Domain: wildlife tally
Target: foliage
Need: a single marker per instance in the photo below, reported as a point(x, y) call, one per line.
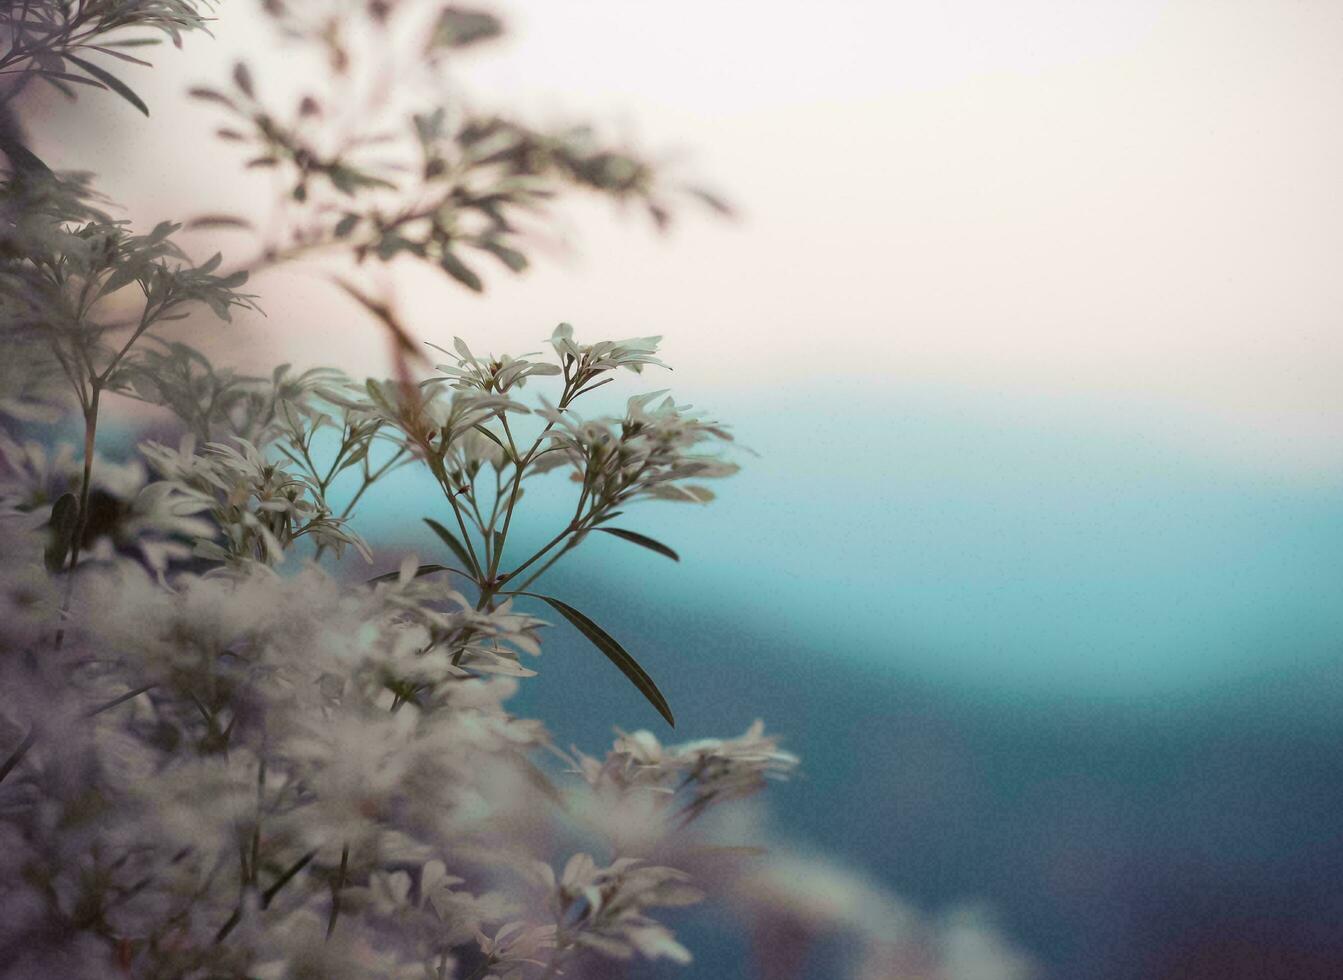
point(220, 756)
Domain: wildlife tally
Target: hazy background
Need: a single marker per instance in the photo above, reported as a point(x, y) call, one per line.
point(1031, 315)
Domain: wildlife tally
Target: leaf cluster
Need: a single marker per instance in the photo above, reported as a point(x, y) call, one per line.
point(58, 41)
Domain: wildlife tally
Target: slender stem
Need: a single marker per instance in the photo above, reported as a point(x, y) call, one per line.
point(574, 526)
point(255, 848)
point(336, 890)
point(147, 319)
point(498, 498)
point(269, 894)
point(512, 446)
point(17, 755)
point(119, 699)
point(369, 480)
point(436, 466)
point(482, 969)
point(520, 466)
point(325, 481)
point(82, 517)
point(544, 568)
point(90, 440)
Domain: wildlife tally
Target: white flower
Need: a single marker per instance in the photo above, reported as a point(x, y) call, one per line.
point(693, 774)
point(582, 363)
point(518, 942)
point(602, 908)
point(648, 453)
point(491, 374)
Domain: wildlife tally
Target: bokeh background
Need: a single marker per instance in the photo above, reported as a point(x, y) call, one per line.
point(1031, 314)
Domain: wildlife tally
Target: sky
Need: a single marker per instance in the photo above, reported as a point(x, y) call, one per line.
point(1030, 308)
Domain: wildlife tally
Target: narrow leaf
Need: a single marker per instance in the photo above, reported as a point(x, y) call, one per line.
point(111, 81)
point(23, 159)
point(119, 54)
point(210, 95)
point(714, 201)
point(419, 573)
point(218, 221)
point(458, 269)
point(243, 79)
point(614, 652)
point(494, 439)
point(642, 540)
point(511, 257)
point(452, 541)
point(65, 76)
point(64, 517)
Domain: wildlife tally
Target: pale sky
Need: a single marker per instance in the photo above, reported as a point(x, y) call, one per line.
point(1032, 310)
point(1137, 203)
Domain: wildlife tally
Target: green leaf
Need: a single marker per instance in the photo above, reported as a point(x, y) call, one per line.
point(452, 541)
point(511, 257)
point(64, 76)
point(614, 652)
point(713, 200)
point(456, 268)
point(642, 540)
point(218, 221)
point(419, 572)
point(64, 518)
point(122, 276)
point(243, 79)
point(494, 439)
point(61, 87)
point(119, 54)
point(210, 95)
point(111, 81)
point(22, 158)
point(458, 28)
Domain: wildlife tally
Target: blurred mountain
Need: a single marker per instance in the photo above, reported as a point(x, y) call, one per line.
point(1189, 836)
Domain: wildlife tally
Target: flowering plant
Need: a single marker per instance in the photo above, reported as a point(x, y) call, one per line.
point(223, 753)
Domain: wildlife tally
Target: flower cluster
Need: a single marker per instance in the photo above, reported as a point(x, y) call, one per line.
point(648, 453)
point(260, 507)
point(603, 908)
point(491, 374)
point(266, 755)
point(272, 771)
point(585, 362)
point(223, 753)
point(691, 776)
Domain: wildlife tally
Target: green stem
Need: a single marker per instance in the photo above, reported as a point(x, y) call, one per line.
point(520, 466)
point(336, 890)
point(442, 477)
point(82, 517)
point(90, 440)
point(17, 755)
point(544, 568)
point(482, 969)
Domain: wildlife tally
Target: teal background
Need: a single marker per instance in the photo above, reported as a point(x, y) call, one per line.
point(1031, 651)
